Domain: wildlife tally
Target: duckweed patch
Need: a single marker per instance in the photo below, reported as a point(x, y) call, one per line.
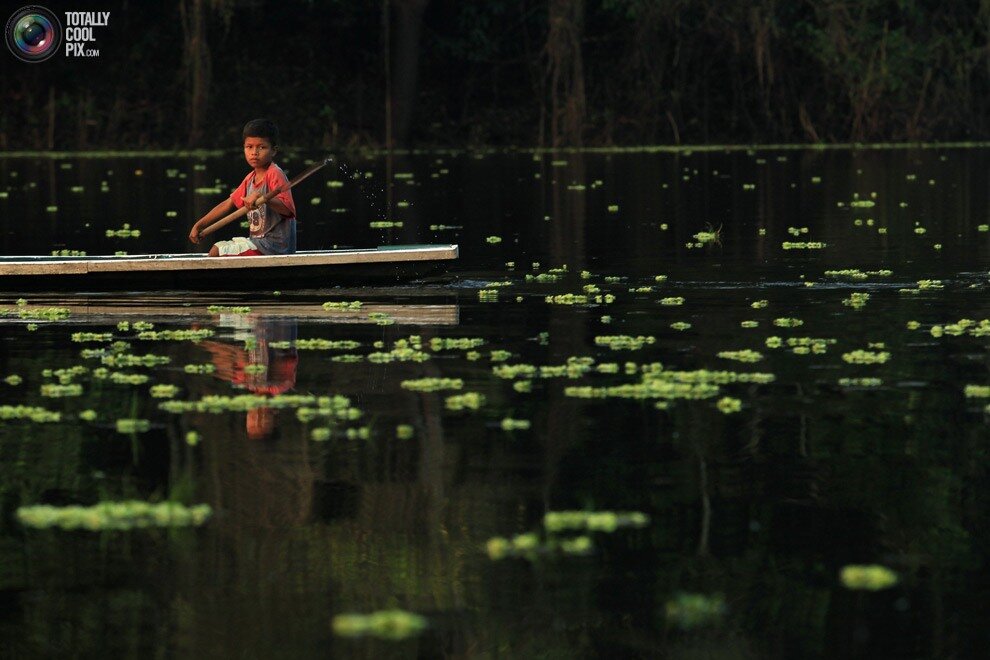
point(556, 522)
point(191, 334)
point(386, 624)
point(432, 384)
point(866, 357)
point(745, 355)
point(132, 425)
point(466, 401)
point(30, 413)
point(556, 538)
point(342, 306)
point(118, 516)
point(624, 342)
point(869, 577)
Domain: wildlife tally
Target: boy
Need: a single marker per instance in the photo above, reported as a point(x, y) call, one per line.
point(272, 226)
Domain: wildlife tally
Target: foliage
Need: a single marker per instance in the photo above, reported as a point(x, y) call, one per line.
point(671, 71)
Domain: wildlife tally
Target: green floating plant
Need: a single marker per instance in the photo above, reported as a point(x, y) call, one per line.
point(386, 624)
point(455, 343)
point(466, 401)
point(320, 434)
point(37, 313)
point(207, 368)
point(860, 382)
point(346, 306)
point(133, 425)
point(192, 334)
point(509, 424)
point(31, 413)
point(124, 232)
point(969, 327)
point(125, 360)
point(869, 577)
point(163, 391)
point(857, 274)
point(319, 344)
point(728, 405)
point(556, 522)
point(432, 384)
point(57, 390)
point(856, 300)
point(124, 515)
point(403, 350)
point(363, 433)
point(531, 546)
point(801, 245)
point(216, 404)
point(744, 355)
point(624, 342)
point(977, 391)
point(228, 309)
point(866, 357)
point(552, 275)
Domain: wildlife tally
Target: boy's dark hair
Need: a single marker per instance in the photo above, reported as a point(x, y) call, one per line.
point(261, 128)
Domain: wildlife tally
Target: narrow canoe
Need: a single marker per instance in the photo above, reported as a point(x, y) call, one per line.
point(314, 269)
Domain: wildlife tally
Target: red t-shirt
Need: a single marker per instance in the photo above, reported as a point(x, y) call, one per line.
point(274, 177)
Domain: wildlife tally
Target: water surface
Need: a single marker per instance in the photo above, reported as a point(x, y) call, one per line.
point(828, 462)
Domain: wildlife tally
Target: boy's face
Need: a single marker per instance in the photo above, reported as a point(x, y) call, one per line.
point(258, 151)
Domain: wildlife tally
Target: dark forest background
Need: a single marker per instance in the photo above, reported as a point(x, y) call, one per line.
point(188, 73)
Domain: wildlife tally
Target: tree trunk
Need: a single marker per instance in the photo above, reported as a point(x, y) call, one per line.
point(565, 72)
point(196, 66)
point(405, 60)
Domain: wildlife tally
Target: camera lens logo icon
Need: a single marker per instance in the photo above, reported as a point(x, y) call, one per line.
point(33, 34)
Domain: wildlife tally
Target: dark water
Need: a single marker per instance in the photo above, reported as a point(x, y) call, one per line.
point(757, 510)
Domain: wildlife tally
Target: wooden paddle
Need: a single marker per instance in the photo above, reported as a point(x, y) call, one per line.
point(227, 219)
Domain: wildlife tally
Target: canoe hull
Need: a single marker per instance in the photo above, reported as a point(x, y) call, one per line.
point(304, 270)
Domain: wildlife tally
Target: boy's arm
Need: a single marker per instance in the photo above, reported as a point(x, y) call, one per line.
point(217, 212)
point(280, 208)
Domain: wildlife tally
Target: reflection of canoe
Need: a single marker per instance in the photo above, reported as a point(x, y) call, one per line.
point(316, 269)
point(165, 309)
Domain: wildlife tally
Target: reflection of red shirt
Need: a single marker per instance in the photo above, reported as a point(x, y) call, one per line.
point(278, 377)
point(274, 177)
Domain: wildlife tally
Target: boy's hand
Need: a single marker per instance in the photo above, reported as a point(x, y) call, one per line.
point(194, 235)
point(251, 201)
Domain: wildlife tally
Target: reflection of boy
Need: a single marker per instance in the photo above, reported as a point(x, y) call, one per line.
point(271, 226)
point(260, 370)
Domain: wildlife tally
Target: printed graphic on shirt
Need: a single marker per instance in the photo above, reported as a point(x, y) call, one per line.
point(256, 220)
